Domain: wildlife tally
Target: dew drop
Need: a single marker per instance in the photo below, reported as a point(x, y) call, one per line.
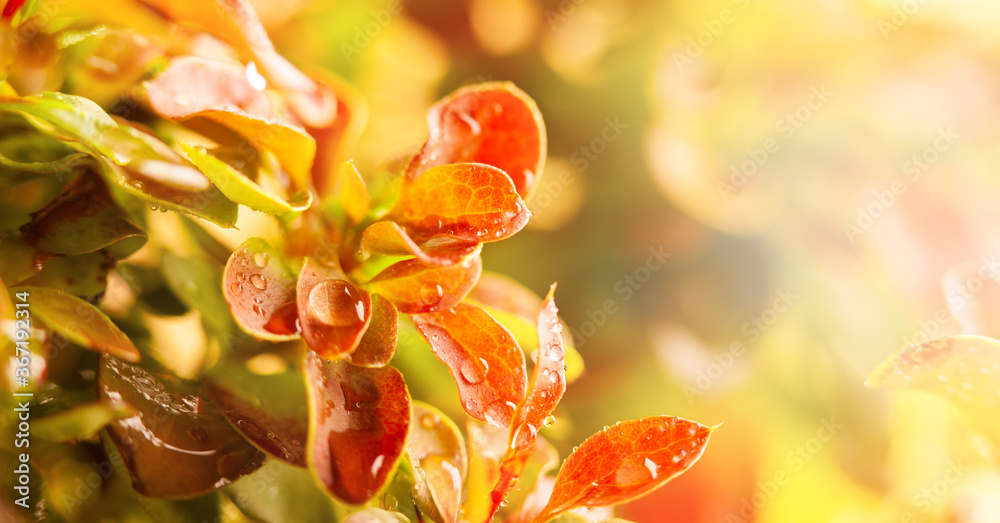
point(524, 436)
point(258, 310)
point(472, 372)
point(236, 289)
point(499, 412)
point(260, 259)
point(550, 420)
point(258, 281)
point(336, 303)
point(431, 294)
point(471, 405)
point(557, 352)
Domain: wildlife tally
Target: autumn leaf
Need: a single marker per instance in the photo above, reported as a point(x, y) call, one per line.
point(482, 356)
point(625, 461)
point(378, 344)
point(79, 322)
point(389, 238)
point(548, 383)
point(334, 313)
point(964, 370)
point(177, 445)
point(469, 201)
point(359, 421)
point(493, 123)
point(269, 410)
point(260, 291)
point(415, 287)
point(437, 454)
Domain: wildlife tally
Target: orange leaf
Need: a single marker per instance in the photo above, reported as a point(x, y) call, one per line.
point(548, 383)
point(483, 357)
point(388, 238)
point(493, 123)
point(236, 23)
point(334, 313)
point(472, 202)
point(194, 87)
point(416, 287)
point(626, 461)
point(335, 143)
point(359, 420)
point(260, 291)
point(437, 455)
point(378, 344)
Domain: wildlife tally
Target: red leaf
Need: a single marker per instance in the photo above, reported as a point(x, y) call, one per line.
point(378, 344)
point(389, 238)
point(496, 124)
point(260, 291)
point(334, 313)
point(11, 8)
point(548, 383)
point(359, 420)
point(486, 362)
point(417, 287)
point(626, 461)
point(190, 85)
point(472, 202)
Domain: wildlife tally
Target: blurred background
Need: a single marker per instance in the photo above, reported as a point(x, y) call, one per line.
point(748, 205)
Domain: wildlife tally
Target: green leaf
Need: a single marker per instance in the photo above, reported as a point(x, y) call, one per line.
point(240, 189)
point(198, 285)
point(78, 321)
point(280, 492)
point(80, 422)
point(84, 276)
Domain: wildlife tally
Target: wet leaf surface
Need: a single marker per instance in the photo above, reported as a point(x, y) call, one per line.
point(270, 410)
point(437, 454)
point(493, 123)
point(471, 202)
point(84, 276)
point(334, 313)
point(178, 444)
point(79, 422)
point(79, 322)
point(416, 287)
point(483, 358)
point(626, 461)
point(389, 238)
point(378, 344)
point(359, 420)
point(548, 383)
point(260, 291)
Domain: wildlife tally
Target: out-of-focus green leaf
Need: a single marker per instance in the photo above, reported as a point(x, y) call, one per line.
point(280, 492)
point(78, 321)
point(376, 515)
point(964, 370)
point(271, 411)
point(83, 219)
point(178, 445)
point(524, 332)
point(79, 422)
point(84, 276)
point(198, 285)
